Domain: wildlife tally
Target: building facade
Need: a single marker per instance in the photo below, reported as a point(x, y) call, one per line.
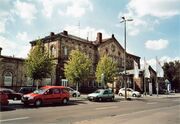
point(12, 72)
point(60, 45)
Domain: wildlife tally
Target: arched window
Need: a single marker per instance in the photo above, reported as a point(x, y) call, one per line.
point(8, 78)
point(53, 51)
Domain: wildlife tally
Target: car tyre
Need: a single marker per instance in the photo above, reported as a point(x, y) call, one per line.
point(38, 103)
point(74, 95)
point(65, 101)
point(15, 98)
point(120, 94)
point(100, 99)
point(134, 95)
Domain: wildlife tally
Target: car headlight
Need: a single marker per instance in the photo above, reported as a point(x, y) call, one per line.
point(31, 97)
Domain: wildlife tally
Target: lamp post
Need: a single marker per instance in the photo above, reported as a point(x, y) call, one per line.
point(125, 84)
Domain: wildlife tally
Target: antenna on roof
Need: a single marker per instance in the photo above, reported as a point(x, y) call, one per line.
point(79, 28)
point(87, 36)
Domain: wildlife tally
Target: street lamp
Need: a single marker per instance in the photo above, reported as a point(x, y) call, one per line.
point(125, 85)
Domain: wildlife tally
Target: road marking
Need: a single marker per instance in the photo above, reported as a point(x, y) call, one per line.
point(110, 107)
point(151, 103)
point(13, 119)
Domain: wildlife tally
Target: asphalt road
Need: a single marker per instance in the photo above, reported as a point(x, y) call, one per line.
point(80, 111)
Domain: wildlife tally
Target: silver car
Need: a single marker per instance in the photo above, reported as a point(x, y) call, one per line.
point(100, 95)
point(73, 93)
point(130, 92)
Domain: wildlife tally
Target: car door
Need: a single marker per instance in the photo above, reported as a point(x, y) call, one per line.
point(57, 95)
point(105, 94)
point(48, 96)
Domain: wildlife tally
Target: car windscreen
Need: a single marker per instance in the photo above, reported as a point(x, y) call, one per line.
point(97, 91)
point(39, 91)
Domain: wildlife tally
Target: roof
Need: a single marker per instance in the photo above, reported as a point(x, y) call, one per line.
point(12, 57)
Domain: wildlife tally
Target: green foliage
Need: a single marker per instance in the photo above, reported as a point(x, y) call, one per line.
point(39, 65)
point(172, 73)
point(107, 67)
point(77, 67)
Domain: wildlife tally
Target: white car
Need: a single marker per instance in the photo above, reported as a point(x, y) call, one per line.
point(73, 93)
point(130, 92)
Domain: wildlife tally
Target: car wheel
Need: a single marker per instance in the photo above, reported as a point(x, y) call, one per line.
point(74, 95)
point(120, 94)
point(100, 99)
point(112, 99)
point(15, 98)
point(38, 102)
point(65, 101)
point(134, 95)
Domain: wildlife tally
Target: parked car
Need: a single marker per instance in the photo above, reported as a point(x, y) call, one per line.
point(130, 92)
point(11, 94)
point(73, 93)
point(3, 99)
point(100, 95)
point(26, 90)
point(47, 95)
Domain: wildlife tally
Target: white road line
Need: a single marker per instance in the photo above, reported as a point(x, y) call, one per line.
point(12, 119)
point(110, 107)
point(151, 103)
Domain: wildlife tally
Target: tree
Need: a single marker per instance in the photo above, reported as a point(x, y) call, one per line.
point(172, 73)
point(106, 69)
point(78, 67)
point(39, 65)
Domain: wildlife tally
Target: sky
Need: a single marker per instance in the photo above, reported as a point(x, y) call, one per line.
point(154, 31)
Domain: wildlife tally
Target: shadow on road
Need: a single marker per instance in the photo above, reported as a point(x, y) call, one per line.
point(15, 106)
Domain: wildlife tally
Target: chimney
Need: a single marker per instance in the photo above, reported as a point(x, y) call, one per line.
point(65, 33)
point(112, 35)
point(99, 37)
point(52, 34)
point(0, 50)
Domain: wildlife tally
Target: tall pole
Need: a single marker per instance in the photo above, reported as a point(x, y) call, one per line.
point(125, 83)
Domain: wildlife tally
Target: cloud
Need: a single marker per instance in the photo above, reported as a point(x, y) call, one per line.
point(3, 20)
point(11, 48)
point(147, 13)
point(89, 32)
point(157, 8)
point(162, 60)
point(66, 7)
point(22, 36)
point(156, 44)
point(25, 10)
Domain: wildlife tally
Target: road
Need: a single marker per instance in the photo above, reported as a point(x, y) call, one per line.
point(80, 111)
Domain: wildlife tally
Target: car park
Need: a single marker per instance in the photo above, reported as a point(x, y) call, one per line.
point(3, 99)
point(11, 94)
point(47, 95)
point(101, 95)
point(26, 90)
point(73, 93)
point(130, 92)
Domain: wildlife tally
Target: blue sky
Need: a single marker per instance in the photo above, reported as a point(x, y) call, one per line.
point(154, 31)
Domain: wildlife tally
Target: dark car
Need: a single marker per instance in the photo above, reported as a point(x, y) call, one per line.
point(11, 94)
point(26, 90)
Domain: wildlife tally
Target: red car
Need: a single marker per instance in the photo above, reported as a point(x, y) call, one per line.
point(47, 95)
point(3, 99)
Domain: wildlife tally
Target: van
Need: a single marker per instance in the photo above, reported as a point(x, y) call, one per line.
point(47, 95)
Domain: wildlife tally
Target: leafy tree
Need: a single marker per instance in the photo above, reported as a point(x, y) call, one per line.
point(78, 67)
point(39, 65)
point(106, 69)
point(172, 73)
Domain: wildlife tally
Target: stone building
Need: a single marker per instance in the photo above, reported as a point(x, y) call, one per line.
point(12, 74)
point(60, 45)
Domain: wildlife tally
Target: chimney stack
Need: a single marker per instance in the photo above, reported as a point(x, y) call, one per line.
point(0, 50)
point(65, 33)
point(99, 37)
point(52, 34)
